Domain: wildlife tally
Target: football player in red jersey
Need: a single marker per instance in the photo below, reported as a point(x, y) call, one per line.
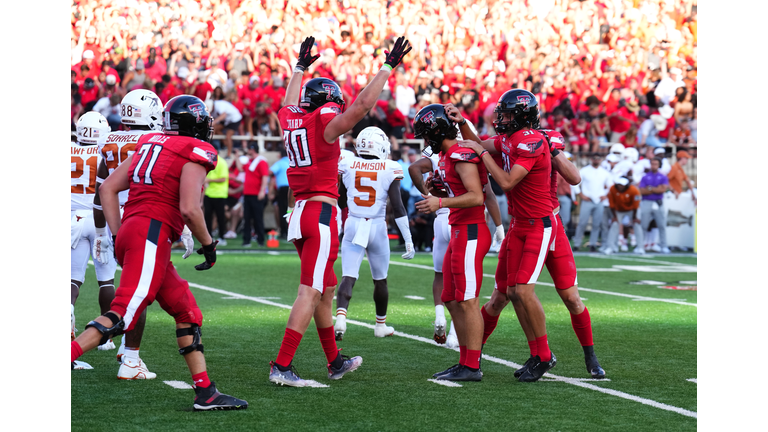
point(165, 180)
point(463, 177)
point(313, 118)
point(526, 176)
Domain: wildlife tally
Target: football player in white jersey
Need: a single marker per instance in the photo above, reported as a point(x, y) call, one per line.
point(92, 128)
point(367, 180)
point(426, 167)
point(141, 112)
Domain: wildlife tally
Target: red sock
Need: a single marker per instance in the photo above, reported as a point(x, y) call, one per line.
point(473, 359)
point(542, 347)
point(201, 380)
point(76, 351)
point(533, 347)
point(288, 348)
point(489, 322)
point(328, 341)
point(582, 326)
point(463, 355)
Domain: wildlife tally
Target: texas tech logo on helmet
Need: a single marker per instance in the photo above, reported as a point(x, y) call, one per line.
point(524, 99)
point(197, 109)
point(329, 89)
point(429, 118)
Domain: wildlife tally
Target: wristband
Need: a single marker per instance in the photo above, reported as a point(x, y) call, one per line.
point(555, 152)
point(463, 122)
point(386, 67)
point(298, 69)
point(439, 202)
point(483, 153)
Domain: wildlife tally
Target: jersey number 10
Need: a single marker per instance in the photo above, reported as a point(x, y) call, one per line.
point(297, 147)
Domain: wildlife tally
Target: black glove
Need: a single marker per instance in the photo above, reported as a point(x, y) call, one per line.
point(210, 256)
point(305, 54)
point(398, 52)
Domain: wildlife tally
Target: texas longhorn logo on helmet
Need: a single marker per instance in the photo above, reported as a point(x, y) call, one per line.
point(198, 109)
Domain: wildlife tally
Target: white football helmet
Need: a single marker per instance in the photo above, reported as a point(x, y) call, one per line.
point(92, 127)
point(374, 142)
point(471, 126)
point(142, 107)
point(631, 154)
point(618, 149)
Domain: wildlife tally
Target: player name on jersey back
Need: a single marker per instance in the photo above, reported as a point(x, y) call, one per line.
point(84, 162)
point(367, 182)
point(369, 165)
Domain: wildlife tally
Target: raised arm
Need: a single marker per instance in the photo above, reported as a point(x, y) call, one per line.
point(467, 133)
point(367, 98)
point(305, 59)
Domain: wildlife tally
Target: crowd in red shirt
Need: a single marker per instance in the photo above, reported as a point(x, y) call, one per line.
point(581, 59)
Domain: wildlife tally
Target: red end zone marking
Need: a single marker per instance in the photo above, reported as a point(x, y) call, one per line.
point(679, 288)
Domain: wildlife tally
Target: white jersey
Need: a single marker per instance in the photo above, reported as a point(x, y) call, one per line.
point(84, 163)
point(118, 147)
point(435, 159)
point(367, 182)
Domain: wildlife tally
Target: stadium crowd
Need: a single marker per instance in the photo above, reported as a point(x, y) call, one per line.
point(609, 71)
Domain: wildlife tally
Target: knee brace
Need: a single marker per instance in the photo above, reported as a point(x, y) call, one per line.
point(196, 333)
point(108, 333)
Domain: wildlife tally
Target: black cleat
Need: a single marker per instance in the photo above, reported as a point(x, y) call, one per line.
point(593, 367)
point(593, 248)
point(209, 399)
point(463, 373)
point(538, 369)
point(525, 367)
point(447, 371)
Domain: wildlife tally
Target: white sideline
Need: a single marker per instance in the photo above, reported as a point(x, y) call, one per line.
point(673, 301)
point(573, 381)
point(487, 357)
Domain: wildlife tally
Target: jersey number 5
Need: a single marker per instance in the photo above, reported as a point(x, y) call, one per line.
point(359, 176)
point(297, 147)
point(143, 151)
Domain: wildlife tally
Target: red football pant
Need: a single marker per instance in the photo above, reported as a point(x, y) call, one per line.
point(143, 247)
point(560, 262)
point(463, 262)
point(529, 242)
point(318, 246)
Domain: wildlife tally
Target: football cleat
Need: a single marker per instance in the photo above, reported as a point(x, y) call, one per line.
point(538, 369)
point(383, 330)
point(655, 248)
point(525, 367)
point(639, 250)
point(106, 346)
point(132, 370)
point(593, 366)
point(462, 373)
point(623, 248)
point(665, 250)
point(290, 377)
point(209, 399)
point(452, 341)
point(340, 327)
point(79, 365)
point(349, 365)
point(447, 371)
point(440, 325)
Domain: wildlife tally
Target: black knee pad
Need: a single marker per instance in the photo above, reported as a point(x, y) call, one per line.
point(196, 334)
point(107, 333)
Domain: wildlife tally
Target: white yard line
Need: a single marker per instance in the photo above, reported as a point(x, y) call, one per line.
point(638, 259)
point(573, 381)
point(636, 297)
point(445, 383)
point(693, 380)
point(567, 380)
point(181, 385)
point(413, 297)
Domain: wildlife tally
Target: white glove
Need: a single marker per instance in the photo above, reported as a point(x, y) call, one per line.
point(498, 236)
point(188, 241)
point(410, 251)
point(102, 246)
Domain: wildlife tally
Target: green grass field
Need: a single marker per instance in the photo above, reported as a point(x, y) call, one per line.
point(645, 338)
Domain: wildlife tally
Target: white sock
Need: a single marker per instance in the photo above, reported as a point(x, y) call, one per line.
point(381, 320)
point(439, 312)
point(131, 354)
point(453, 329)
point(341, 312)
point(122, 345)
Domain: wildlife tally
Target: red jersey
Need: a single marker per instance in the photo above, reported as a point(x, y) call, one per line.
point(313, 164)
point(529, 149)
point(556, 142)
point(255, 171)
point(579, 136)
point(455, 187)
point(155, 173)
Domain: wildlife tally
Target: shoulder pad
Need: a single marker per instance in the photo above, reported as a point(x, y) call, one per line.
point(532, 146)
point(204, 154)
point(555, 139)
point(330, 108)
point(463, 154)
point(395, 167)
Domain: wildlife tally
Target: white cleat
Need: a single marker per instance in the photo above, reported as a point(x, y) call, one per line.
point(340, 327)
point(108, 345)
point(383, 330)
point(440, 325)
point(79, 365)
point(639, 250)
point(452, 341)
point(623, 248)
point(131, 370)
